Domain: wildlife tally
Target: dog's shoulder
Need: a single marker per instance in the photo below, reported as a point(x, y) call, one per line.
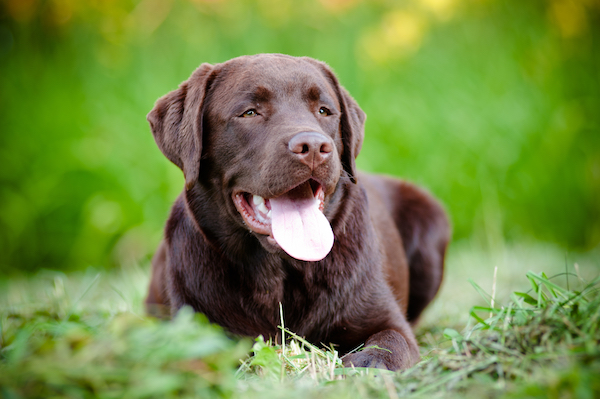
point(177, 218)
point(414, 211)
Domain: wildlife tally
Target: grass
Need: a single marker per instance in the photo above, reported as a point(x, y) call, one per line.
point(85, 336)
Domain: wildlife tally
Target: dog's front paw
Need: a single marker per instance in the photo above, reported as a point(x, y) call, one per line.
point(370, 357)
point(387, 349)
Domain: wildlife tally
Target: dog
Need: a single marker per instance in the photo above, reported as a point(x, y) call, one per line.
point(275, 212)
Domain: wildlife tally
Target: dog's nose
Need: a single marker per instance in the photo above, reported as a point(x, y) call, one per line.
point(311, 148)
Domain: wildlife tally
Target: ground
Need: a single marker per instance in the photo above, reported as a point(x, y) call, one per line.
point(86, 335)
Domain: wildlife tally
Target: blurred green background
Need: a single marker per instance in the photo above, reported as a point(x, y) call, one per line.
point(492, 105)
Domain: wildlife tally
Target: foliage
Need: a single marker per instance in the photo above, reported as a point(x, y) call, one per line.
point(535, 343)
point(49, 356)
point(491, 105)
point(59, 349)
point(541, 343)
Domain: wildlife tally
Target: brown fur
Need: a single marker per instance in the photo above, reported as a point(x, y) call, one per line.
point(390, 237)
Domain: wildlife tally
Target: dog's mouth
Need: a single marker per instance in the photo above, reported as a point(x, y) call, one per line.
point(294, 219)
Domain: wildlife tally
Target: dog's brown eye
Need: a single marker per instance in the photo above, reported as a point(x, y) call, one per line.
point(324, 111)
point(250, 113)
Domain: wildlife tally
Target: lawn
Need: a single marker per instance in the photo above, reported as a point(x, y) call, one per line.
point(85, 335)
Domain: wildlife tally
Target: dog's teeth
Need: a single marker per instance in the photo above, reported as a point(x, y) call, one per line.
point(257, 199)
point(269, 214)
point(261, 207)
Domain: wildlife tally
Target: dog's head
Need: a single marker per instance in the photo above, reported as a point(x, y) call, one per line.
point(273, 134)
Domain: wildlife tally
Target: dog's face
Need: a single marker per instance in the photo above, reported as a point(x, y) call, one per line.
point(274, 134)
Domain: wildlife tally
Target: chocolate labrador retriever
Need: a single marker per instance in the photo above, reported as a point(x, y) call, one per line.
point(274, 212)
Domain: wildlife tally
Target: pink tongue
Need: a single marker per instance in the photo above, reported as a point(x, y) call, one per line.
point(299, 227)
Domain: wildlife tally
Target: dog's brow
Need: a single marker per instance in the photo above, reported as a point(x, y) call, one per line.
point(261, 94)
point(313, 94)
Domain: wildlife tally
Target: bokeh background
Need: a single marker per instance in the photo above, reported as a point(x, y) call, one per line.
point(494, 106)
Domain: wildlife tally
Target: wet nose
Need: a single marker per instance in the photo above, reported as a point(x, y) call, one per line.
point(311, 148)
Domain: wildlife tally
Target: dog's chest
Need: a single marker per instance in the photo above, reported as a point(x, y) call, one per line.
point(302, 296)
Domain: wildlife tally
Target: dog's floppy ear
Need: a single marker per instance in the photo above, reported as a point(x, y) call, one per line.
point(352, 122)
point(176, 123)
point(353, 131)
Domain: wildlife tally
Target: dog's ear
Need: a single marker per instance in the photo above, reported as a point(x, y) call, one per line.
point(352, 122)
point(353, 131)
point(176, 123)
